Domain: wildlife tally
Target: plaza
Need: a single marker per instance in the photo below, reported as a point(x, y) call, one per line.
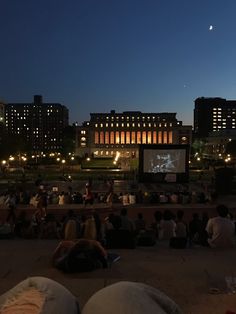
point(186, 276)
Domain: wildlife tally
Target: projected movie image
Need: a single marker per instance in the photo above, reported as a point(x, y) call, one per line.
point(164, 161)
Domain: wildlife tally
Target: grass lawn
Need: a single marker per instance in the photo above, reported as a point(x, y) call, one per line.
point(99, 163)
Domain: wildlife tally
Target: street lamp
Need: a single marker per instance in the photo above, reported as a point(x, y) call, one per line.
point(63, 163)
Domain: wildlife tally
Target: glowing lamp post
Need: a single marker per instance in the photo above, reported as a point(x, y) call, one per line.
point(63, 166)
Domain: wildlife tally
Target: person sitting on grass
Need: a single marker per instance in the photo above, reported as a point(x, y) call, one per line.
point(140, 223)
point(79, 255)
point(181, 227)
point(220, 229)
point(167, 226)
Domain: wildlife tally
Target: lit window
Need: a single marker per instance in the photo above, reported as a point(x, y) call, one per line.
point(159, 137)
point(170, 137)
point(127, 137)
point(117, 138)
point(139, 141)
point(133, 138)
point(122, 138)
point(165, 137)
point(112, 138)
point(96, 139)
point(149, 137)
point(144, 137)
point(101, 137)
point(107, 138)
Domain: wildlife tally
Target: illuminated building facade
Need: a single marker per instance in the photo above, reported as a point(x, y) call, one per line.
point(108, 133)
point(40, 124)
point(213, 115)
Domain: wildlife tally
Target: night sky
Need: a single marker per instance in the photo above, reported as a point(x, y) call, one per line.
point(98, 55)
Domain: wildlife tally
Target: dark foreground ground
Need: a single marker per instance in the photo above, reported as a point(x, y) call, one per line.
point(185, 275)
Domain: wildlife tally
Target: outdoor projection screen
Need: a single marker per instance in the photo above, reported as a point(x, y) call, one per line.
point(163, 163)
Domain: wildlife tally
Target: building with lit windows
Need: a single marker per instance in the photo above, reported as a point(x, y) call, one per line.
point(2, 124)
point(40, 124)
point(107, 134)
point(213, 115)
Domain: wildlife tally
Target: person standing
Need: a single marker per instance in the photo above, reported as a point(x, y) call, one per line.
point(110, 193)
point(11, 203)
point(88, 196)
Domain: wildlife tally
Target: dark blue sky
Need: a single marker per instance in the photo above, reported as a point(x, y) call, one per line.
point(98, 55)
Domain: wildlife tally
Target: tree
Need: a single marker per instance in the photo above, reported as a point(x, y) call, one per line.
point(231, 148)
point(68, 142)
point(13, 144)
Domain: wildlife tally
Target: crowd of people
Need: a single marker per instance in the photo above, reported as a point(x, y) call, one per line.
point(85, 240)
point(90, 231)
point(166, 225)
point(52, 196)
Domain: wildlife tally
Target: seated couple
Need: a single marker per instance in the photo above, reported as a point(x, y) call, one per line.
point(39, 295)
point(81, 255)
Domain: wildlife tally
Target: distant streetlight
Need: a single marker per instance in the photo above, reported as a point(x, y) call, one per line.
point(63, 168)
